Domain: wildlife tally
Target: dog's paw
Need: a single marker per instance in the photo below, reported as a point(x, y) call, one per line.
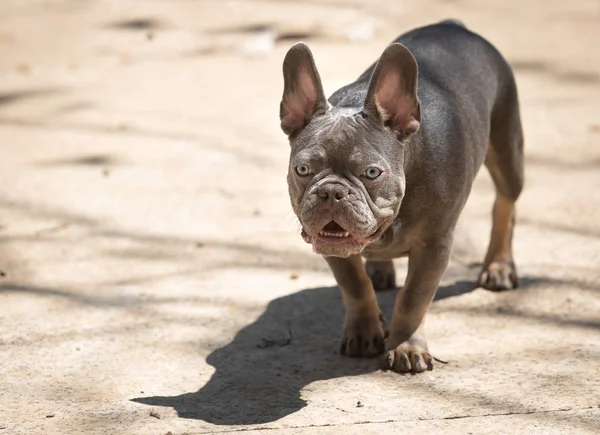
point(498, 276)
point(408, 358)
point(382, 274)
point(363, 336)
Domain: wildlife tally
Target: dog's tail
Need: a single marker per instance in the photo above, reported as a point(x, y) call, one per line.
point(454, 22)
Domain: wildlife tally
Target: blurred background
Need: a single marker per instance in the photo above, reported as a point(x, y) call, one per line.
point(148, 249)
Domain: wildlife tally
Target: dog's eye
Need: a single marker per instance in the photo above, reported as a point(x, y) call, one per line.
point(372, 173)
point(302, 170)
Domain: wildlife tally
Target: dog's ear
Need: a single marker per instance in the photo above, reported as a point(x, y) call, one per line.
point(392, 95)
point(303, 95)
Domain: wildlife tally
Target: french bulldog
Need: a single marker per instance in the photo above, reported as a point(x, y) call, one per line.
point(383, 168)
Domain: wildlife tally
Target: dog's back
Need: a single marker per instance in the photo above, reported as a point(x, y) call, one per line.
point(386, 167)
point(468, 98)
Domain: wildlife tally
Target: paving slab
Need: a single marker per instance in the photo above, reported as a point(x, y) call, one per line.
point(153, 280)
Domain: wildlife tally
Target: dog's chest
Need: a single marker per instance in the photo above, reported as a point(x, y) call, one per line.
point(394, 243)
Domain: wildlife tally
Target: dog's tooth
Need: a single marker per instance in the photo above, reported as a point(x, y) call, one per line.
point(338, 234)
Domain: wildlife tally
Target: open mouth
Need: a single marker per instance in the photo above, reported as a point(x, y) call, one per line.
point(334, 233)
point(333, 229)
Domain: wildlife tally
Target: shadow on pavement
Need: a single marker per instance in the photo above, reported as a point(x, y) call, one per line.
point(260, 374)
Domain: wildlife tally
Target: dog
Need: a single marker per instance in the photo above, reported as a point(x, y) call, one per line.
point(383, 168)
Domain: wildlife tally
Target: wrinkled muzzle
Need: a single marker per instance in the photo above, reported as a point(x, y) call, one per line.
point(337, 218)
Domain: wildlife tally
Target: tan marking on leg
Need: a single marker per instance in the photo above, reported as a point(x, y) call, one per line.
point(499, 271)
point(503, 215)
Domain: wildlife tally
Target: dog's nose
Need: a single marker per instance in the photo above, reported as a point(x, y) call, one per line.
point(334, 190)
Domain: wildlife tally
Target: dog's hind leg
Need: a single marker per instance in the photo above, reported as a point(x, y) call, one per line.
point(382, 274)
point(504, 161)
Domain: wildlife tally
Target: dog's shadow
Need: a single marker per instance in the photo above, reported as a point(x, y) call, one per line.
point(259, 375)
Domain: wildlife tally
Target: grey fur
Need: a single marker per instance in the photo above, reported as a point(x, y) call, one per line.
point(430, 141)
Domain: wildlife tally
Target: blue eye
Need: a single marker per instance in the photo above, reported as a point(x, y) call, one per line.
point(372, 173)
point(302, 170)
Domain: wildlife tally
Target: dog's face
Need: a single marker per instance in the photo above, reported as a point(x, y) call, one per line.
point(346, 173)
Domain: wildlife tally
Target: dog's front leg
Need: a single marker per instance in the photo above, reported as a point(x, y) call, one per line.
point(407, 347)
point(363, 327)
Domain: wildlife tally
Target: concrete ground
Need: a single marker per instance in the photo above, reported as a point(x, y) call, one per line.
point(153, 277)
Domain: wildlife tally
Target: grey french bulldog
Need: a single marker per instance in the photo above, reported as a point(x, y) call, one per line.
point(383, 168)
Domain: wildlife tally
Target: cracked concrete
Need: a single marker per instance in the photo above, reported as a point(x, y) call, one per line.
point(153, 278)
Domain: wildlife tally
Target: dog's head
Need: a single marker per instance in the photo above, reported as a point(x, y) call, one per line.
point(346, 172)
